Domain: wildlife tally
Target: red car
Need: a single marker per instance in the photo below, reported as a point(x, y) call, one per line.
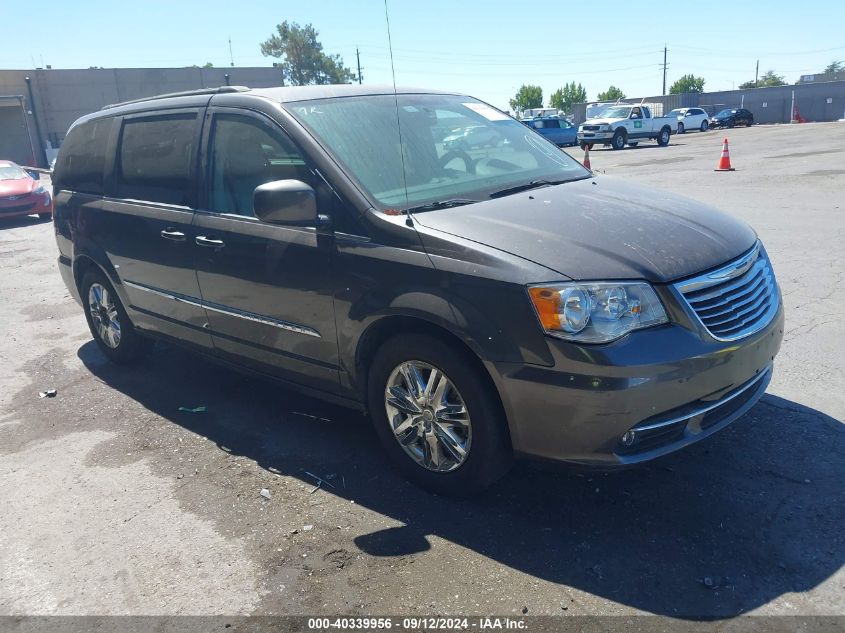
point(21, 194)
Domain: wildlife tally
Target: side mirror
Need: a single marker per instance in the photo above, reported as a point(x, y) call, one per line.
point(33, 174)
point(289, 202)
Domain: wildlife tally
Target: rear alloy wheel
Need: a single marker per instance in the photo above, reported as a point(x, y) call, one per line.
point(663, 137)
point(108, 321)
point(437, 416)
point(704, 126)
point(618, 141)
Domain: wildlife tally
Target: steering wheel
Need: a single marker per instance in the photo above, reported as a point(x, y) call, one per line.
point(457, 153)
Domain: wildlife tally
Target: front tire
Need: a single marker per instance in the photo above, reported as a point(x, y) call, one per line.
point(618, 140)
point(681, 128)
point(109, 324)
point(704, 126)
point(437, 417)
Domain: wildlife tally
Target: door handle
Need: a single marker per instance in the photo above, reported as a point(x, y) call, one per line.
point(171, 234)
point(209, 242)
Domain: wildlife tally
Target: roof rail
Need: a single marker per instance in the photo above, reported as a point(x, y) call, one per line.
point(185, 93)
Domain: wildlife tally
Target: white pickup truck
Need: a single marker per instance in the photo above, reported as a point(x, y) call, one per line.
point(622, 125)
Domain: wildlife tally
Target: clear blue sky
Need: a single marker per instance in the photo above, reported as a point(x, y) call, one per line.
point(485, 48)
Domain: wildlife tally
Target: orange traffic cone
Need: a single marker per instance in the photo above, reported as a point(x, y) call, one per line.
point(587, 157)
point(725, 160)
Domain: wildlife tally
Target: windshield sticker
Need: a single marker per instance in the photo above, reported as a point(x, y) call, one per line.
point(491, 114)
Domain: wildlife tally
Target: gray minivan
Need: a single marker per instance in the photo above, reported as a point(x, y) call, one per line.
point(478, 303)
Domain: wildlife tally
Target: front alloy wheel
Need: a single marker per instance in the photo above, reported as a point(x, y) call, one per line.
point(428, 416)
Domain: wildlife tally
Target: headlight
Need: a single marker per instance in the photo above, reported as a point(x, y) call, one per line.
point(606, 127)
point(39, 189)
point(596, 312)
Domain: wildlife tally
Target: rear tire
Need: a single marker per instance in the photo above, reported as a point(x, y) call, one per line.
point(426, 456)
point(750, 122)
point(109, 324)
point(664, 136)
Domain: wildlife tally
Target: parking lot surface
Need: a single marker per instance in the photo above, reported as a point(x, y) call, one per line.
point(116, 501)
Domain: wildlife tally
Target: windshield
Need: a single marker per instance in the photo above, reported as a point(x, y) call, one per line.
point(616, 113)
point(727, 112)
point(11, 172)
point(452, 147)
point(676, 113)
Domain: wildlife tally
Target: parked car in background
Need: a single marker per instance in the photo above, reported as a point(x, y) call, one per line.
point(689, 119)
point(477, 307)
point(21, 193)
point(473, 137)
point(730, 117)
point(622, 125)
point(558, 130)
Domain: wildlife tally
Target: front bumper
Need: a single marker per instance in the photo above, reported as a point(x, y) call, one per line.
point(672, 385)
point(594, 137)
point(29, 204)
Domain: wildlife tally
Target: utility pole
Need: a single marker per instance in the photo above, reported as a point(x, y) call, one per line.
point(231, 58)
point(358, 55)
point(664, 69)
point(756, 73)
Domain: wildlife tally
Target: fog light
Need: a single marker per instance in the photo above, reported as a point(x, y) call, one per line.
point(629, 438)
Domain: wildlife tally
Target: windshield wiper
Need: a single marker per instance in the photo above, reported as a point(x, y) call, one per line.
point(534, 184)
point(442, 204)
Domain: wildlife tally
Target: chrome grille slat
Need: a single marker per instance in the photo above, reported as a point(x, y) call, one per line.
point(741, 316)
point(736, 300)
point(757, 288)
point(709, 322)
point(715, 292)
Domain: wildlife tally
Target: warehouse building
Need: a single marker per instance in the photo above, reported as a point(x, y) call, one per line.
point(38, 106)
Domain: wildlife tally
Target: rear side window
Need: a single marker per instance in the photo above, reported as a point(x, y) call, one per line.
point(155, 159)
point(82, 158)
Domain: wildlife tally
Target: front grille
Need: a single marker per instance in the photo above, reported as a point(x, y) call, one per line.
point(590, 128)
point(18, 208)
point(737, 299)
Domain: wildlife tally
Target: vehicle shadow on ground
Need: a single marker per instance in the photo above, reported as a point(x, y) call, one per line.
point(725, 526)
point(23, 220)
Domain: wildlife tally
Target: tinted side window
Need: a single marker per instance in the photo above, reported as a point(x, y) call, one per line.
point(553, 124)
point(82, 158)
point(245, 154)
point(155, 159)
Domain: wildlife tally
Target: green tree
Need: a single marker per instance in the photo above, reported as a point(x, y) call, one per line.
point(564, 98)
point(526, 97)
point(834, 67)
point(611, 94)
point(304, 63)
point(687, 83)
point(768, 79)
point(208, 65)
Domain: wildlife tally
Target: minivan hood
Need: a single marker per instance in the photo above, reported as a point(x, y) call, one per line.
point(601, 228)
